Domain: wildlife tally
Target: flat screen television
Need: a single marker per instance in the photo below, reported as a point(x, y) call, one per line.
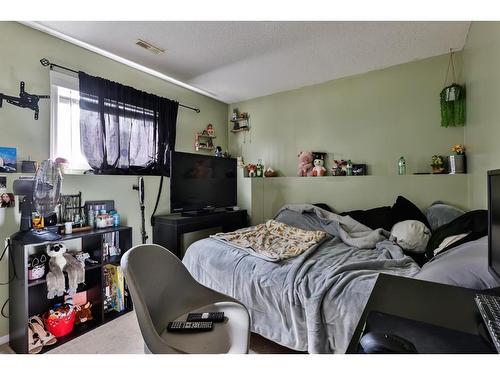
point(201, 183)
point(494, 223)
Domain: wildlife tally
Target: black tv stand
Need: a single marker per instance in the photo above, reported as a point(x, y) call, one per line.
point(199, 213)
point(168, 229)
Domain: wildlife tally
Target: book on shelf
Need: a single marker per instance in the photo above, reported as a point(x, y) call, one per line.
point(115, 292)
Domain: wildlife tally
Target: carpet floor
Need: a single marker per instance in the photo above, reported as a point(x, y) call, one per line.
point(123, 336)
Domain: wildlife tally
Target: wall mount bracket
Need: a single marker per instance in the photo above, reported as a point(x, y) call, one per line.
point(25, 100)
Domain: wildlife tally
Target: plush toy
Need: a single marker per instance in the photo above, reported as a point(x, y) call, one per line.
point(83, 313)
point(210, 130)
point(252, 170)
point(60, 261)
point(319, 169)
point(305, 164)
point(218, 151)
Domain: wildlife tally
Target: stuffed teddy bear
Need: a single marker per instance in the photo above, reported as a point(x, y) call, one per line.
point(305, 164)
point(59, 262)
point(319, 169)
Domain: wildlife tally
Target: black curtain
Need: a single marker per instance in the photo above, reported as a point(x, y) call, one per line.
point(124, 130)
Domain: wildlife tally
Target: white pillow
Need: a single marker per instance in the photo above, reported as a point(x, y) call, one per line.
point(411, 235)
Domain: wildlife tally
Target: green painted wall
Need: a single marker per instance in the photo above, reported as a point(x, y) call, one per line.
point(482, 132)
point(21, 48)
point(373, 118)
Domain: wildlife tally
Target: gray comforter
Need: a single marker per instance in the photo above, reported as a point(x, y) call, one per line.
point(308, 303)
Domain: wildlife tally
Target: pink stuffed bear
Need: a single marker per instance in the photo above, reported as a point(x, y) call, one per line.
point(305, 164)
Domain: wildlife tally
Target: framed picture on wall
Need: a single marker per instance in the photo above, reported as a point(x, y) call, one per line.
point(7, 200)
point(359, 169)
point(8, 160)
point(3, 183)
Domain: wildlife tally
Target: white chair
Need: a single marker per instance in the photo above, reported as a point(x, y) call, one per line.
point(163, 290)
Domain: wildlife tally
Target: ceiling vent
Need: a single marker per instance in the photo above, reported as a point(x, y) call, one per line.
point(150, 47)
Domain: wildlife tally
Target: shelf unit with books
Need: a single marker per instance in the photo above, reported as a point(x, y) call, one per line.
point(29, 297)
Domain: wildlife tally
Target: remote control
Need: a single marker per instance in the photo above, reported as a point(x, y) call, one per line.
point(215, 317)
point(189, 326)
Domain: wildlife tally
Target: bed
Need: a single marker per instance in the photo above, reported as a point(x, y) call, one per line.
point(311, 302)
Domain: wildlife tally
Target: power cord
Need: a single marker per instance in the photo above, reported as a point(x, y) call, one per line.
point(11, 278)
point(3, 309)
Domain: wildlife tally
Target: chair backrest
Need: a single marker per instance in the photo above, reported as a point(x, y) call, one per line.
point(160, 287)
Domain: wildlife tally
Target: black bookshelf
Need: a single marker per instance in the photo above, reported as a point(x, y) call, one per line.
point(29, 297)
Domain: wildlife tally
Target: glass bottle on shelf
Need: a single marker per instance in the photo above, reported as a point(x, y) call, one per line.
point(260, 168)
point(402, 166)
point(349, 168)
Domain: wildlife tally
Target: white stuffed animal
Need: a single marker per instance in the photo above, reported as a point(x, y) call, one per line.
point(319, 169)
point(60, 261)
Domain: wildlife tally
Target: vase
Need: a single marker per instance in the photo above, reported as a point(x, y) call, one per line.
point(457, 164)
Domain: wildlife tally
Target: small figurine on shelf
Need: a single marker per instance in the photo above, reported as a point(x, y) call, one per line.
point(197, 143)
point(235, 114)
point(270, 173)
point(437, 164)
point(252, 170)
point(243, 115)
point(339, 168)
point(319, 169)
point(305, 165)
point(210, 130)
point(218, 151)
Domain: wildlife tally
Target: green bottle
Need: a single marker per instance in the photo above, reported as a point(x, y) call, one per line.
point(260, 168)
point(402, 166)
point(349, 168)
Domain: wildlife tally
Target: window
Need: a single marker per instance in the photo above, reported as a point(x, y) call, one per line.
point(65, 122)
point(104, 126)
point(136, 123)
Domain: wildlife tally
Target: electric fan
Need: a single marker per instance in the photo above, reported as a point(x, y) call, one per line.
point(40, 194)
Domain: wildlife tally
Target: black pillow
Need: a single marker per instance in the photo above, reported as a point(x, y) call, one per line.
point(403, 210)
point(475, 223)
point(375, 218)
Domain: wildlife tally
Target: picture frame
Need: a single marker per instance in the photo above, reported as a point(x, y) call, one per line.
point(359, 170)
point(3, 183)
point(7, 200)
point(8, 160)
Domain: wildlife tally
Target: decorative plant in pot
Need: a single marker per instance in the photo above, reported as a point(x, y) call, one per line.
point(437, 164)
point(457, 162)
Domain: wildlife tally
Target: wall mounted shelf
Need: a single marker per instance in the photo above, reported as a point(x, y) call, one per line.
point(201, 135)
point(242, 129)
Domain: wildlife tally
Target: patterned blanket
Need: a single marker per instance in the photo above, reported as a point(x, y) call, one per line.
point(273, 241)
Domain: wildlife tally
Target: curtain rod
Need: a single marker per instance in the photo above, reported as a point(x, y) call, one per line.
point(46, 62)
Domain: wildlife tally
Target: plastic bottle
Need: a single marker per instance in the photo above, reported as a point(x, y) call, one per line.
point(402, 166)
point(91, 217)
point(116, 219)
point(349, 168)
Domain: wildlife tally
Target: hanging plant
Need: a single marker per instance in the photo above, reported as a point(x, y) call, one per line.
point(452, 99)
